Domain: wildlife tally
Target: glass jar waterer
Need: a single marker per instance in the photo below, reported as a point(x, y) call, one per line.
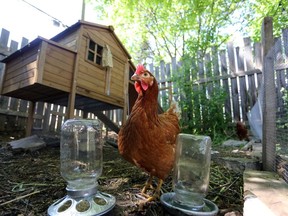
point(191, 177)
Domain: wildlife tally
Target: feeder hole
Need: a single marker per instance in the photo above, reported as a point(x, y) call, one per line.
point(83, 206)
point(99, 201)
point(65, 206)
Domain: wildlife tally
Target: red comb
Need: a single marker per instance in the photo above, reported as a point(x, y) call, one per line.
point(139, 69)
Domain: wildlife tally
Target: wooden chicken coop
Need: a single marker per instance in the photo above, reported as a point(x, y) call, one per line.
point(84, 67)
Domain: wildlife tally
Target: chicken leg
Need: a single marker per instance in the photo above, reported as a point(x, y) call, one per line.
point(147, 185)
point(156, 193)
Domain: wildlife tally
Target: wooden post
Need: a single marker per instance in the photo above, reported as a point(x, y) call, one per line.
point(269, 97)
point(30, 119)
point(83, 10)
point(46, 118)
point(72, 94)
point(73, 90)
point(126, 96)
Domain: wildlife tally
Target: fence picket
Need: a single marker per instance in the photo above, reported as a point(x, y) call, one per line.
point(240, 60)
point(215, 62)
point(243, 96)
point(163, 81)
point(174, 73)
point(200, 66)
point(38, 116)
point(60, 118)
point(251, 93)
point(53, 117)
point(4, 38)
point(258, 61)
point(13, 46)
point(225, 81)
point(248, 54)
point(23, 110)
point(169, 82)
point(24, 42)
point(231, 58)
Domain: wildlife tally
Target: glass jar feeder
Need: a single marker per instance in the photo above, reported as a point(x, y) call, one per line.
point(81, 166)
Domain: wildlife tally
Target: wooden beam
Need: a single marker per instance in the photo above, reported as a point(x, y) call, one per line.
point(73, 89)
point(126, 93)
point(41, 62)
point(72, 94)
point(107, 121)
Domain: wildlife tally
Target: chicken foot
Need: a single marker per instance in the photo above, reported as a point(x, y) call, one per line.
point(156, 193)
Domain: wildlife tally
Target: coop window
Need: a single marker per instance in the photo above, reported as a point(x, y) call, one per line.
point(95, 52)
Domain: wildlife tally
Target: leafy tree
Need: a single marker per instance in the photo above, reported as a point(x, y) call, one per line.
point(154, 30)
point(255, 11)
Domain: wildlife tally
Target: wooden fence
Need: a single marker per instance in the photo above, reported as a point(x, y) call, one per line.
point(13, 112)
point(237, 69)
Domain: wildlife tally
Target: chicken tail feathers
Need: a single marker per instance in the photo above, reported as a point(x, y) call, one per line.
point(174, 108)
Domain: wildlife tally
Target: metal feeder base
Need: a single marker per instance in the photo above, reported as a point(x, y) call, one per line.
point(96, 204)
point(209, 209)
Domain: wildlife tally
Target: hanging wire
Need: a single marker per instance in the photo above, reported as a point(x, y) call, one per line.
point(55, 20)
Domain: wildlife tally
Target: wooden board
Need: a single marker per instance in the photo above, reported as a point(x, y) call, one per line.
point(58, 68)
point(70, 40)
point(20, 72)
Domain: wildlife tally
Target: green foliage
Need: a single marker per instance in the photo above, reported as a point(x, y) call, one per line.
point(202, 105)
point(255, 11)
point(154, 30)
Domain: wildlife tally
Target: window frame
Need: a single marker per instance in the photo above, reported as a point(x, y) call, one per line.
point(95, 52)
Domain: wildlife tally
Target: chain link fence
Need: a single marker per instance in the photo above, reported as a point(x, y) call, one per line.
point(281, 86)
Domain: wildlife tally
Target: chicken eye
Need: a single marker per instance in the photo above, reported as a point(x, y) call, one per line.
point(145, 74)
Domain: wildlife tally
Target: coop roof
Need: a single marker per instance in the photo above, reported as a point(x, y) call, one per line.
point(77, 25)
point(31, 45)
point(64, 33)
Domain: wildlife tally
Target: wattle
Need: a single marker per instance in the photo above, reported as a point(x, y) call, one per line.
point(144, 86)
point(137, 87)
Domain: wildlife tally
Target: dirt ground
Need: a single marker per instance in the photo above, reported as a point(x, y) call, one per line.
point(30, 182)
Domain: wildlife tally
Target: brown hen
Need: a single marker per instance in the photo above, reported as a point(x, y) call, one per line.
point(242, 131)
point(148, 139)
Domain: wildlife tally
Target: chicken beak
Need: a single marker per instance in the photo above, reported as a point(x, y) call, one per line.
point(135, 77)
